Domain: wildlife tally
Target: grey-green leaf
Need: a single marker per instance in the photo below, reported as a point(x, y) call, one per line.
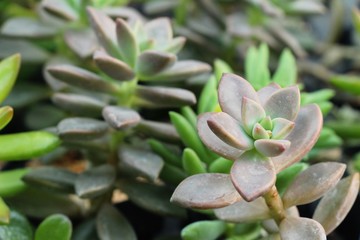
point(205, 191)
point(140, 162)
point(335, 205)
point(120, 117)
point(81, 128)
point(82, 41)
point(61, 9)
point(55, 227)
point(159, 130)
point(51, 178)
point(27, 27)
point(113, 67)
point(111, 224)
point(95, 181)
point(312, 183)
point(151, 62)
point(18, 229)
point(126, 42)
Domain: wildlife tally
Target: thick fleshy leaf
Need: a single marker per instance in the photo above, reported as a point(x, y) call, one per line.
point(60, 9)
point(191, 162)
point(232, 89)
point(229, 130)
point(259, 132)
point(159, 130)
point(21, 146)
point(86, 230)
point(56, 227)
point(152, 197)
point(220, 165)
point(82, 41)
point(51, 178)
point(286, 72)
point(175, 45)
point(166, 153)
point(281, 128)
point(126, 42)
point(206, 191)
point(181, 70)
point(159, 30)
point(18, 228)
point(51, 81)
point(303, 137)
point(11, 182)
point(80, 104)
point(4, 212)
point(81, 128)
point(204, 230)
point(265, 92)
point(335, 205)
point(6, 114)
point(95, 181)
point(151, 62)
point(243, 211)
point(271, 147)
point(153, 96)
point(120, 117)
point(104, 28)
point(81, 78)
point(30, 53)
point(271, 226)
point(252, 175)
point(297, 228)
point(110, 222)
point(213, 142)
point(27, 27)
point(306, 7)
point(113, 67)
point(284, 103)
point(9, 68)
point(251, 113)
point(312, 183)
point(140, 162)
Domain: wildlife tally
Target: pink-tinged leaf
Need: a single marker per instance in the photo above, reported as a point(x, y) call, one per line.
point(270, 224)
point(307, 129)
point(251, 113)
point(243, 211)
point(297, 228)
point(61, 9)
point(229, 131)
point(160, 31)
point(151, 62)
point(232, 89)
point(259, 132)
point(312, 183)
point(265, 92)
point(113, 67)
point(281, 128)
point(104, 28)
point(206, 191)
point(284, 103)
point(252, 175)
point(213, 142)
point(271, 147)
point(336, 203)
point(127, 43)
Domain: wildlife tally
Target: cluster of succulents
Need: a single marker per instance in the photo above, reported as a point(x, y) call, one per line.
point(119, 115)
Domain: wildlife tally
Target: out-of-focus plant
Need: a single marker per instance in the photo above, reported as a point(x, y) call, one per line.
point(265, 132)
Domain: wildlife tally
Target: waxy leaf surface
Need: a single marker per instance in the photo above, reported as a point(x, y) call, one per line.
point(55, 227)
point(296, 228)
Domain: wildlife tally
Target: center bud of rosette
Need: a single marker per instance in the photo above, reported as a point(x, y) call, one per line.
point(256, 130)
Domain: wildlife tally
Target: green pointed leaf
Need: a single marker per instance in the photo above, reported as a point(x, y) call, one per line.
point(347, 83)
point(317, 96)
point(221, 67)
point(4, 212)
point(221, 165)
point(256, 66)
point(18, 229)
point(165, 153)
point(204, 230)
point(9, 68)
point(55, 227)
point(111, 224)
point(20, 146)
point(192, 163)
point(6, 114)
point(11, 182)
point(189, 135)
point(208, 99)
point(286, 71)
point(172, 174)
point(190, 115)
point(285, 177)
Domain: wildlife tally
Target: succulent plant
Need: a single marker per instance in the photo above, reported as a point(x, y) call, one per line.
point(264, 132)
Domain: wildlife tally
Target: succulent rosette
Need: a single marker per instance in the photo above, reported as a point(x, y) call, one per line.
point(263, 132)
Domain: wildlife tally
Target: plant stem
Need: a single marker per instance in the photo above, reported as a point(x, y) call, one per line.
point(275, 204)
